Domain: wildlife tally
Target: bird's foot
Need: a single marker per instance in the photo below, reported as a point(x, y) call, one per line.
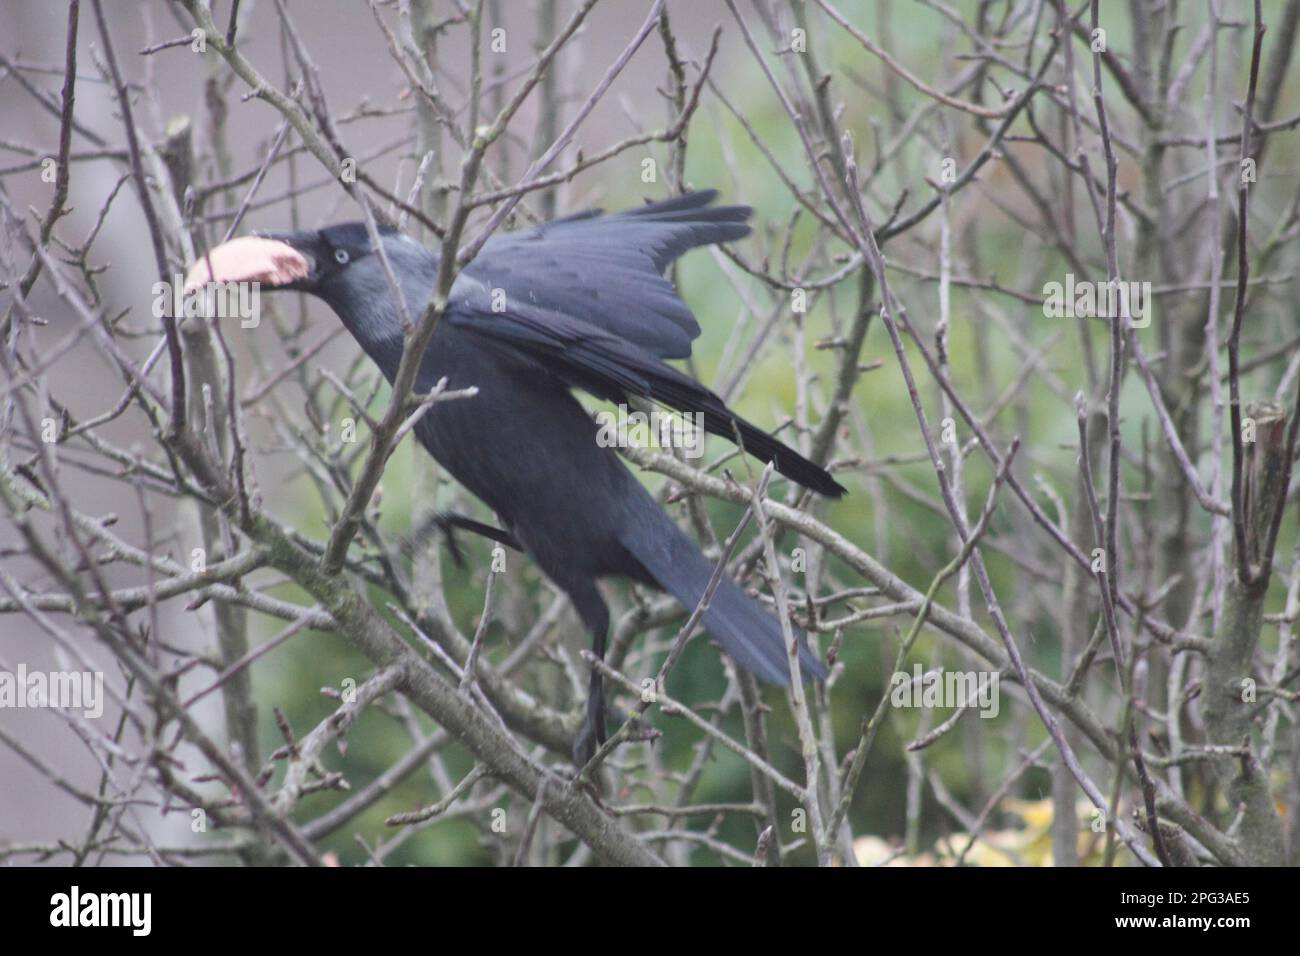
point(585, 745)
point(443, 522)
point(591, 736)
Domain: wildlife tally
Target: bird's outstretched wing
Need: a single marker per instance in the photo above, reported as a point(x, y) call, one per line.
point(610, 366)
point(607, 271)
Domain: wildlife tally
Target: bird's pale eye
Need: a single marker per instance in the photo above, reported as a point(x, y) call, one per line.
point(341, 256)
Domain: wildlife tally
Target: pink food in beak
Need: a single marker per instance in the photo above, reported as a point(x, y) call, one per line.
point(249, 259)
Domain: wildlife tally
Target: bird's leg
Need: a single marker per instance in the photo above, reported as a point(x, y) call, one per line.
point(447, 522)
point(592, 609)
point(596, 693)
point(592, 732)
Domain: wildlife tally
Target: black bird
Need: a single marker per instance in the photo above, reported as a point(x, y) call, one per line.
point(580, 302)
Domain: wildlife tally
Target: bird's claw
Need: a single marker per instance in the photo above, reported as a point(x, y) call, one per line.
point(441, 521)
point(453, 545)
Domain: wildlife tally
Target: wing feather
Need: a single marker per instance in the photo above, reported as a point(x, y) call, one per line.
point(607, 271)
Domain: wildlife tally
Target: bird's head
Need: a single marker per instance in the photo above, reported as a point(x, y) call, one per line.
point(337, 264)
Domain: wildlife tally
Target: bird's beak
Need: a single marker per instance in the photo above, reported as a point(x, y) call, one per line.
point(275, 261)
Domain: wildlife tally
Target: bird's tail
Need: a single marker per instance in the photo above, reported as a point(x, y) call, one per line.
point(747, 632)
